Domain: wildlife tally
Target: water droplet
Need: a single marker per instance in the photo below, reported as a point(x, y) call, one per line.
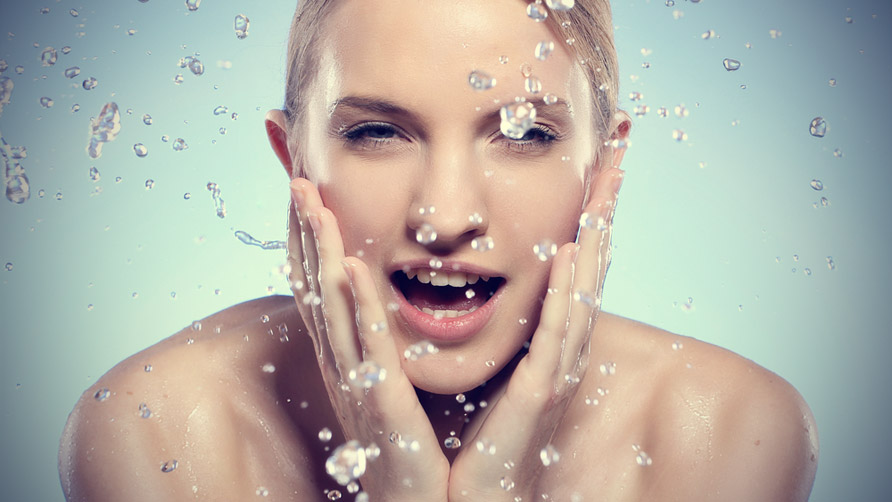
point(425, 234)
point(147, 368)
point(8, 266)
point(221, 110)
point(480, 81)
point(261, 492)
point(49, 57)
point(418, 350)
point(818, 127)
point(677, 345)
point(169, 466)
point(20, 69)
point(774, 33)
point(178, 78)
point(635, 96)
point(544, 49)
point(608, 368)
point(268, 368)
point(196, 66)
point(532, 85)
point(545, 249)
point(537, 12)
point(66, 50)
point(817, 185)
point(72, 72)
point(490, 363)
point(147, 119)
point(830, 264)
point(140, 150)
point(234, 116)
point(131, 31)
point(46, 102)
point(192, 5)
point(452, 443)
point(731, 64)
point(482, 244)
point(179, 145)
point(367, 375)
point(241, 25)
point(681, 111)
point(346, 463)
point(549, 455)
point(526, 69)
point(832, 82)
point(379, 326)
point(550, 99)
point(708, 34)
point(144, 411)
point(679, 135)
point(94, 173)
point(150, 184)
point(485, 446)
point(522, 321)
point(325, 435)
point(641, 110)
point(103, 129)
point(334, 495)
point(670, 3)
point(90, 84)
point(517, 119)
point(461, 398)
point(559, 5)
point(506, 483)
point(101, 394)
point(642, 458)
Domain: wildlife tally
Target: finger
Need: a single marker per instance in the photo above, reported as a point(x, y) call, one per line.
point(337, 299)
point(371, 319)
point(548, 340)
point(590, 269)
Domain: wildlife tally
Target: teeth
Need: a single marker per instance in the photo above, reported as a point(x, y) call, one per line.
point(439, 314)
point(444, 277)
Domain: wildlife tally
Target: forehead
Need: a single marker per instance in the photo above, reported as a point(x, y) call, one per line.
point(416, 51)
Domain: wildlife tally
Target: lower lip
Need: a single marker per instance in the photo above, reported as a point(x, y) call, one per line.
point(447, 329)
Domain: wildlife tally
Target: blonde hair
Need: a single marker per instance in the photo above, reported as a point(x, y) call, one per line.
point(586, 28)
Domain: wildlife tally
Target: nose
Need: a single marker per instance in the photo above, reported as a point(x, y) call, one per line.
point(449, 210)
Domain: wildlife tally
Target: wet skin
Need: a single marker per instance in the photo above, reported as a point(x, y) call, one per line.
point(375, 150)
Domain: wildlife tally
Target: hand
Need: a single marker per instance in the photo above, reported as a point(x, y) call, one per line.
point(338, 301)
point(543, 384)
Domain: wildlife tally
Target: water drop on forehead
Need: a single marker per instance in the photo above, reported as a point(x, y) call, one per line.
point(818, 127)
point(543, 50)
point(532, 85)
point(731, 64)
point(537, 12)
point(560, 5)
point(480, 81)
point(550, 99)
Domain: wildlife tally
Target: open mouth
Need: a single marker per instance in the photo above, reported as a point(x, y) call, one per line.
point(445, 294)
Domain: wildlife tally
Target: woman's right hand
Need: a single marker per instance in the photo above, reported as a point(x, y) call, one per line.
point(340, 306)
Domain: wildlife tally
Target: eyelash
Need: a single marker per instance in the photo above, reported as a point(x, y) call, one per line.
point(357, 136)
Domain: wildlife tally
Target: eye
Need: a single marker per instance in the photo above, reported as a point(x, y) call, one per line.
point(370, 134)
point(539, 137)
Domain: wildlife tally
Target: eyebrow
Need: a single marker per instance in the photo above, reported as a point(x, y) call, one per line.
point(375, 105)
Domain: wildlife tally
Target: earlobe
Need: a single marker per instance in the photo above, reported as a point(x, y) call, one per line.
point(276, 131)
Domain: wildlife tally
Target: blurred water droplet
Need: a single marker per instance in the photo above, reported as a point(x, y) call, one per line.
point(482, 244)
point(241, 25)
point(426, 234)
point(452, 443)
point(543, 50)
point(681, 111)
point(49, 57)
point(677, 345)
point(774, 33)
point(334, 495)
point(818, 127)
point(346, 463)
point(46, 102)
point(147, 368)
point(220, 110)
point(101, 394)
point(94, 173)
point(178, 78)
point(545, 249)
point(608, 368)
point(560, 5)
point(196, 66)
point(72, 72)
point(418, 350)
point(506, 483)
point(20, 69)
point(641, 110)
point(526, 69)
point(268, 368)
point(830, 264)
point(550, 99)
point(708, 34)
point(549, 455)
point(103, 129)
point(140, 150)
point(8, 266)
point(66, 50)
point(731, 64)
point(642, 458)
point(679, 135)
point(179, 145)
point(485, 446)
point(325, 435)
point(517, 119)
point(832, 82)
point(480, 81)
point(261, 492)
point(490, 363)
point(131, 31)
point(169, 466)
point(532, 85)
point(144, 411)
point(817, 185)
point(192, 5)
point(670, 3)
point(537, 12)
point(90, 84)
point(367, 375)
point(150, 184)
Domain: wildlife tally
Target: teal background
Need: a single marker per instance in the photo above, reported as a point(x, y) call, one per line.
point(717, 218)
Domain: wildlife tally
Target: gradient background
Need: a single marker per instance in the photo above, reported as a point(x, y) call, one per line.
point(717, 218)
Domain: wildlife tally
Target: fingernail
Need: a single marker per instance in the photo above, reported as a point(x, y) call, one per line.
point(618, 181)
point(314, 222)
point(348, 269)
point(297, 194)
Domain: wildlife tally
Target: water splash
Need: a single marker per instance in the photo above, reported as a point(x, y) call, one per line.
point(219, 205)
point(103, 129)
point(246, 238)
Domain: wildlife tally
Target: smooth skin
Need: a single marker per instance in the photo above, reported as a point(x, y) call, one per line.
point(241, 405)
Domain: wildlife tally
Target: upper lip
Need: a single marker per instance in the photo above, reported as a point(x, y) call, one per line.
point(447, 264)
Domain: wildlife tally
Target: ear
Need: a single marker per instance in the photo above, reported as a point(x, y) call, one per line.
point(277, 131)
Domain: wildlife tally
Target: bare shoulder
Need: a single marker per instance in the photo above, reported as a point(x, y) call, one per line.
point(184, 417)
point(715, 425)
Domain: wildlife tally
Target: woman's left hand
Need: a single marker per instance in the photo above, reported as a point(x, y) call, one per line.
point(503, 460)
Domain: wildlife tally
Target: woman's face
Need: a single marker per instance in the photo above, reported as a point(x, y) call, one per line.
point(396, 139)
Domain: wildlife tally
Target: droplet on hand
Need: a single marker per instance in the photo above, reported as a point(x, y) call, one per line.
point(367, 375)
point(346, 463)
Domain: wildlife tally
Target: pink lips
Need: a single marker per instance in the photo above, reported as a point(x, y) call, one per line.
point(447, 329)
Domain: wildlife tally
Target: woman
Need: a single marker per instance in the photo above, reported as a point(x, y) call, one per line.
point(448, 245)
